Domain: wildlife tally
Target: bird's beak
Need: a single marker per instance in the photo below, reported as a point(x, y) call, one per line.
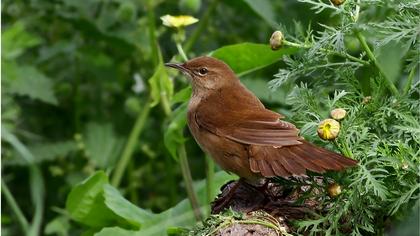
point(178, 66)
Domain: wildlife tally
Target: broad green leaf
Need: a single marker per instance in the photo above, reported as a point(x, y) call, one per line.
point(160, 85)
point(389, 59)
point(247, 57)
point(58, 226)
point(85, 203)
point(120, 206)
point(182, 215)
point(102, 145)
point(97, 204)
point(260, 89)
point(15, 40)
point(173, 136)
point(264, 9)
point(29, 81)
point(182, 95)
point(117, 231)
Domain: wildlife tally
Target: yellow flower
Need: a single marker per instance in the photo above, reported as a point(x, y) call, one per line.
point(338, 113)
point(178, 21)
point(334, 190)
point(328, 129)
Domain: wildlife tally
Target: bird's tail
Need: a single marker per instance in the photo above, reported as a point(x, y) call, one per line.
point(296, 160)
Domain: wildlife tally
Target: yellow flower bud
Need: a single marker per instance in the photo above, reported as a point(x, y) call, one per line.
point(337, 2)
point(366, 100)
point(328, 129)
point(178, 21)
point(338, 113)
point(276, 40)
point(334, 190)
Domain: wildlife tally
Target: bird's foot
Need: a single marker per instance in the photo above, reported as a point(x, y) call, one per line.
point(240, 196)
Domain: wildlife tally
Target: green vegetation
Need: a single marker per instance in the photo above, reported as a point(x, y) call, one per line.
point(94, 138)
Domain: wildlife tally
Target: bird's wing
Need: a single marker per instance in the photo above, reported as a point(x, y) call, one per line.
point(258, 127)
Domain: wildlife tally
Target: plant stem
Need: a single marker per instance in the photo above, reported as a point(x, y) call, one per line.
point(201, 25)
point(37, 194)
point(209, 179)
point(186, 174)
point(344, 55)
point(409, 81)
point(152, 32)
point(131, 144)
point(15, 207)
point(181, 51)
point(372, 57)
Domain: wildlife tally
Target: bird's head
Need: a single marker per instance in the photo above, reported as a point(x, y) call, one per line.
point(206, 73)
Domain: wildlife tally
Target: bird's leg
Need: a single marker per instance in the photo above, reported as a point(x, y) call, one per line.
point(223, 201)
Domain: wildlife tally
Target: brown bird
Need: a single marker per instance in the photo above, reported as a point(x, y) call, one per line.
point(242, 136)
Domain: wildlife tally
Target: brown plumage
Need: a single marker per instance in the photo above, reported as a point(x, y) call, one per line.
point(233, 126)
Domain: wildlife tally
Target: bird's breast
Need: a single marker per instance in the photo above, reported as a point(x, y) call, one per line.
point(229, 155)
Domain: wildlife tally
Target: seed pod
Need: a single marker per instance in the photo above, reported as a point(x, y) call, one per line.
point(276, 40)
point(328, 129)
point(338, 113)
point(337, 2)
point(334, 190)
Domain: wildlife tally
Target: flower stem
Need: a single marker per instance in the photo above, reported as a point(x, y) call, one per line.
point(130, 145)
point(15, 207)
point(372, 57)
point(344, 55)
point(186, 174)
point(181, 51)
point(152, 32)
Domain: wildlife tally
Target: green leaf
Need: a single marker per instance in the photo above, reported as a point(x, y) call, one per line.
point(96, 203)
point(260, 89)
point(182, 215)
point(102, 144)
point(389, 59)
point(85, 202)
point(29, 81)
point(174, 136)
point(265, 10)
point(160, 85)
point(123, 208)
point(182, 95)
point(58, 226)
point(247, 57)
point(116, 231)
point(15, 40)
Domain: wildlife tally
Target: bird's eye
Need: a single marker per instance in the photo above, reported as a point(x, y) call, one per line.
point(203, 71)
